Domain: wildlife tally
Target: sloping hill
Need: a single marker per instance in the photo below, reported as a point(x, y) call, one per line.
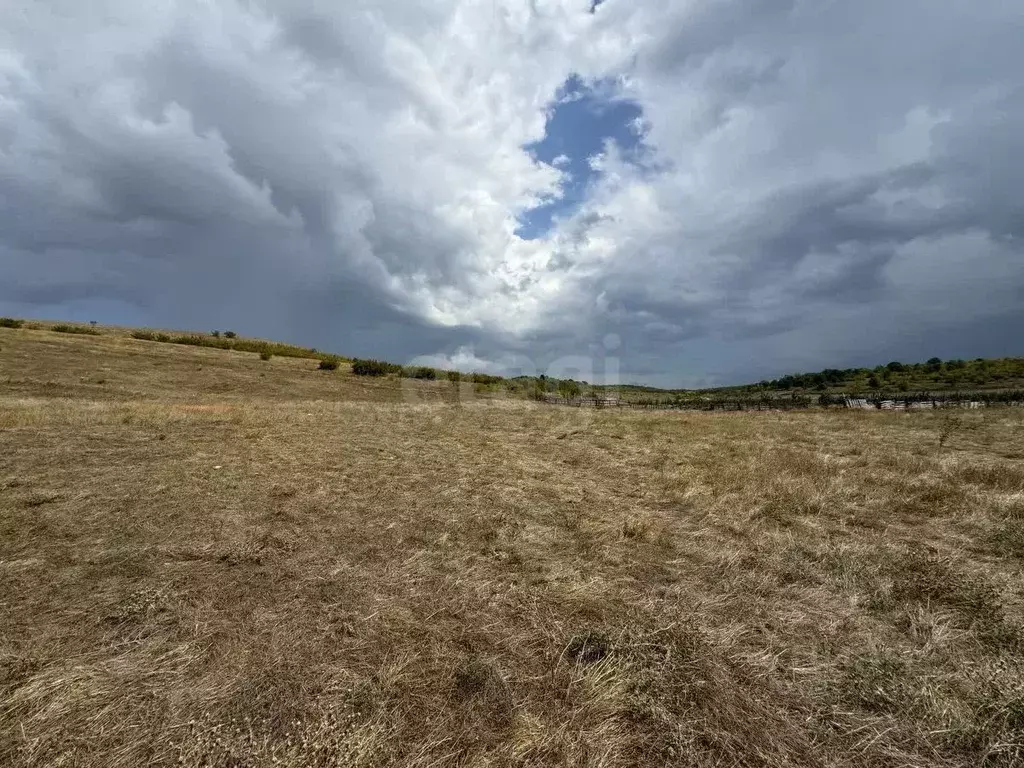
point(111, 365)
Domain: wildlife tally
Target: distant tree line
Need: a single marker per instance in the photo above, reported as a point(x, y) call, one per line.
point(904, 376)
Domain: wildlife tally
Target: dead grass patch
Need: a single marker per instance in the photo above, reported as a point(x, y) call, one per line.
point(212, 561)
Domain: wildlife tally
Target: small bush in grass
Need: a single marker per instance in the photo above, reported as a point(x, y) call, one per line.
point(568, 389)
point(190, 341)
point(472, 678)
point(162, 337)
point(10, 322)
point(264, 355)
point(877, 683)
point(633, 528)
point(143, 335)
point(950, 424)
point(454, 376)
point(79, 329)
point(215, 334)
point(1008, 539)
point(230, 334)
point(328, 365)
point(373, 367)
point(420, 372)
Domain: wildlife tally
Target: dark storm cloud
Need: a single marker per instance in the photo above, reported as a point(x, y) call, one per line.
point(837, 172)
point(822, 182)
point(198, 179)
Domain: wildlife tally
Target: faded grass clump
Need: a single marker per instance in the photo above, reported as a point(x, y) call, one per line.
point(878, 682)
point(925, 579)
point(484, 698)
point(635, 528)
point(1007, 538)
point(992, 725)
point(948, 427)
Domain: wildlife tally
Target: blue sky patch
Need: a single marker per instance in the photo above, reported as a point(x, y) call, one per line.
point(580, 119)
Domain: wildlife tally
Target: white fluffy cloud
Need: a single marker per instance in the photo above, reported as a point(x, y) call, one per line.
point(822, 183)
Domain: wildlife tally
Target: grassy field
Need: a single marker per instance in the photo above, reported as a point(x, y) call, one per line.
point(207, 559)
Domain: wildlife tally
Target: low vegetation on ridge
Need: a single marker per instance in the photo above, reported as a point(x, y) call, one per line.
point(985, 380)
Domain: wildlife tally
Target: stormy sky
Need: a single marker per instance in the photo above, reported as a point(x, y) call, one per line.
point(685, 192)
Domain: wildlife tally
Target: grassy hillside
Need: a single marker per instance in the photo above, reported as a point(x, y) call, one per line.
point(208, 559)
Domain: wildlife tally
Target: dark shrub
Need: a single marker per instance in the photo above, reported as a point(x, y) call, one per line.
point(420, 372)
point(485, 378)
point(162, 337)
point(588, 647)
point(215, 334)
point(454, 376)
point(230, 334)
point(328, 365)
point(265, 355)
point(10, 322)
point(62, 328)
point(373, 367)
point(568, 389)
point(143, 335)
point(472, 678)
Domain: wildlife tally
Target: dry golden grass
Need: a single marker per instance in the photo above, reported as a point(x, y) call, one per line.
point(212, 560)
